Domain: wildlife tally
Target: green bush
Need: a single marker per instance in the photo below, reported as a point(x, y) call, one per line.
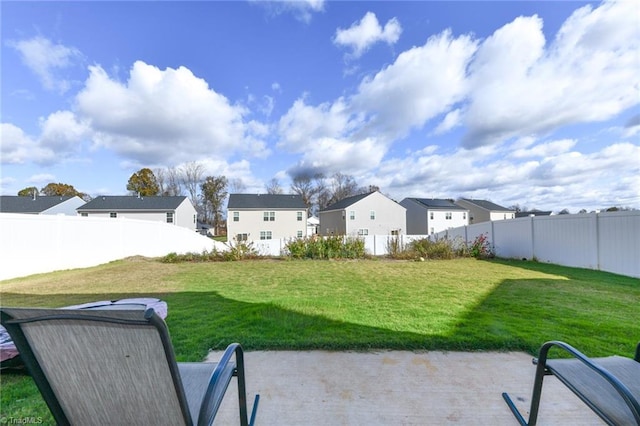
point(333, 247)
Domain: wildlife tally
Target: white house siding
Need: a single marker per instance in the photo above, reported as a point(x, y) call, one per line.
point(390, 217)
point(441, 223)
point(185, 215)
point(67, 207)
point(252, 223)
point(501, 215)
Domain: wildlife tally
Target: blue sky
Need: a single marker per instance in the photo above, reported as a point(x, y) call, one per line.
point(528, 103)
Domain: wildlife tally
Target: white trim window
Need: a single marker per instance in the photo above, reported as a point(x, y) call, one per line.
point(169, 217)
point(113, 215)
point(265, 235)
point(352, 215)
point(241, 237)
point(372, 215)
point(299, 216)
point(448, 215)
point(236, 216)
point(362, 232)
point(269, 217)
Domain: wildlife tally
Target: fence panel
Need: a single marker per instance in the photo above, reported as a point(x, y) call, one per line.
point(619, 243)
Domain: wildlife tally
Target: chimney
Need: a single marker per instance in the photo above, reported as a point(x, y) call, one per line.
point(34, 194)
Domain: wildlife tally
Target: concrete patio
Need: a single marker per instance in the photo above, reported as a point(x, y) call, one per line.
point(397, 388)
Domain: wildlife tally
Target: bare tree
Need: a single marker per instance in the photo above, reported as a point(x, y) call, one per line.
point(191, 176)
point(237, 186)
point(273, 187)
point(342, 186)
point(174, 187)
point(168, 180)
point(308, 187)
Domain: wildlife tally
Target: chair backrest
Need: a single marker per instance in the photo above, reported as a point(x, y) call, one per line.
point(100, 367)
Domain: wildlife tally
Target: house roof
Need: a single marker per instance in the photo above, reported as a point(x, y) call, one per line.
point(266, 201)
point(533, 212)
point(437, 204)
point(17, 204)
point(125, 202)
point(487, 205)
point(346, 202)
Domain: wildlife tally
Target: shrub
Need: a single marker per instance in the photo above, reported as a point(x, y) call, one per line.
point(438, 249)
point(480, 248)
point(333, 247)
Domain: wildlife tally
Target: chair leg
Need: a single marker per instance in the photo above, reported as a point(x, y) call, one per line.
point(242, 391)
point(541, 371)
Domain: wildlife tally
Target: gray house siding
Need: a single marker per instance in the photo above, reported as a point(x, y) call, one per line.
point(365, 214)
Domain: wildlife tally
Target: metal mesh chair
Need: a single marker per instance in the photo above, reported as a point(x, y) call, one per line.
point(610, 386)
point(106, 367)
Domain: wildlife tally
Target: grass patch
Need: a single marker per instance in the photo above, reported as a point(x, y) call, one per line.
point(461, 304)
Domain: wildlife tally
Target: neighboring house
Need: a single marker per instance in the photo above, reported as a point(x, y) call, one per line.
point(533, 212)
point(173, 210)
point(312, 225)
point(364, 214)
point(485, 211)
point(254, 217)
point(431, 215)
point(40, 204)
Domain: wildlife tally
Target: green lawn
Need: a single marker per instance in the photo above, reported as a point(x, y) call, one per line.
point(461, 304)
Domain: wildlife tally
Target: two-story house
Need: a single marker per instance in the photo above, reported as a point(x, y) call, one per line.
point(364, 214)
point(172, 210)
point(432, 215)
point(485, 211)
point(254, 217)
point(37, 204)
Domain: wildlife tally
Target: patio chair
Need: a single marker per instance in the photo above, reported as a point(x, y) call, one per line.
point(114, 366)
point(610, 386)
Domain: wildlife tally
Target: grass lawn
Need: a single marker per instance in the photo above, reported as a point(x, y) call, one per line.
point(461, 304)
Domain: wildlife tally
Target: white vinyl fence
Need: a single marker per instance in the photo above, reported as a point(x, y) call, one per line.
point(31, 244)
point(604, 241)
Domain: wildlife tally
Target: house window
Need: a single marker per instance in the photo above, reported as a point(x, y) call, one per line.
point(505, 215)
point(83, 214)
point(299, 234)
point(299, 214)
point(236, 216)
point(352, 215)
point(269, 216)
point(113, 214)
point(363, 231)
point(372, 215)
point(265, 235)
point(433, 230)
point(241, 237)
point(431, 215)
point(194, 218)
point(447, 215)
point(169, 217)
point(395, 232)
point(464, 215)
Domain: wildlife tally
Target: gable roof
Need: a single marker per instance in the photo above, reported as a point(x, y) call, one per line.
point(437, 204)
point(18, 204)
point(346, 202)
point(487, 205)
point(128, 202)
point(266, 201)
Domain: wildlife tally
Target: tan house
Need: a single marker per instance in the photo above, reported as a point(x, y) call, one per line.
point(255, 217)
point(364, 214)
point(485, 211)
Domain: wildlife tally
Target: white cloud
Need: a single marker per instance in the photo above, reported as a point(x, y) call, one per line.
point(302, 10)
point(360, 36)
point(521, 86)
point(165, 116)
point(19, 148)
point(46, 59)
point(41, 179)
point(62, 132)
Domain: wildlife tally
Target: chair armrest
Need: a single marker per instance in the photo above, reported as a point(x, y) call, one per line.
point(558, 367)
point(218, 383)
